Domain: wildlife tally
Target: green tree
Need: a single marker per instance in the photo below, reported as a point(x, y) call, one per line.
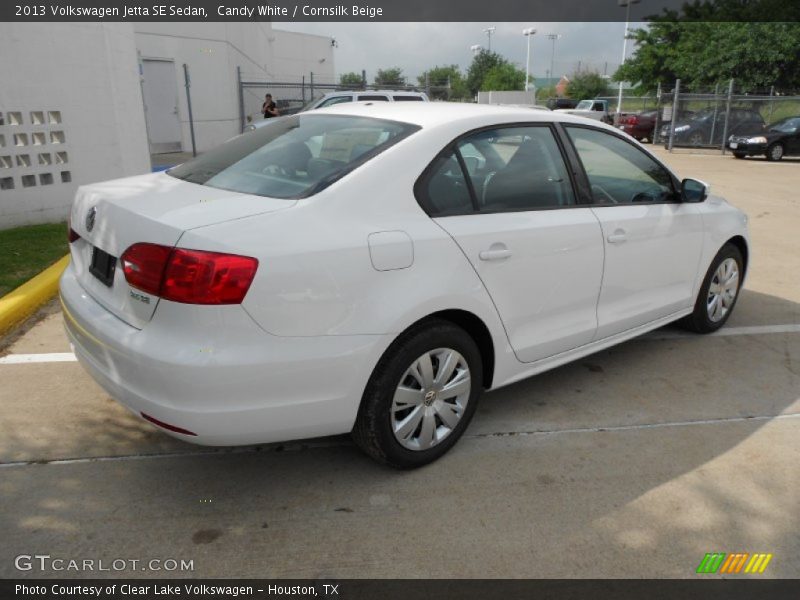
point(503, 77)
point(351, 79)
point(587, 84)
point(483, 62)
point(390, 77)
point(545, 93)
point(447, 83)
point(714, 41)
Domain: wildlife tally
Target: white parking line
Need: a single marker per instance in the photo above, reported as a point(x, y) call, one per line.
point(726, 331)
point(18, 359)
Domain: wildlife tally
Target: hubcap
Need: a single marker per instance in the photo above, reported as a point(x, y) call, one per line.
point(431, 398)
point(723, 289)
point(776, 152)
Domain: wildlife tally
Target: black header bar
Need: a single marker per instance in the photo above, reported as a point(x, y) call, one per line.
point(394, 10)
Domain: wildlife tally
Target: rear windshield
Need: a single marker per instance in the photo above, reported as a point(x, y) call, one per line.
point(295, 156)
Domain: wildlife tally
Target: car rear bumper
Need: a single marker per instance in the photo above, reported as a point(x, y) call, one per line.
point(212, 372)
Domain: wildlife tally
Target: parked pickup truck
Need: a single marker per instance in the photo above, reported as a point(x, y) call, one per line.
point(591, 109)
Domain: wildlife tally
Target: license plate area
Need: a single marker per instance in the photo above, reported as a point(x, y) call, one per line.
point(734, 145)
point(103, 266)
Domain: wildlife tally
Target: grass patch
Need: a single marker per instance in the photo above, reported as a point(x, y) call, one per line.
point(26, 251)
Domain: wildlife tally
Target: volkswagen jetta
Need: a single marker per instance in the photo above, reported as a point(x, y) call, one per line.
point(372, 268)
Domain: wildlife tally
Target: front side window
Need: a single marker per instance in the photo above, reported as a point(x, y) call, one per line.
point(618, 172)
point(295, 156)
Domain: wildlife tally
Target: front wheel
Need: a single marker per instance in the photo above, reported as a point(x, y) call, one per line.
point(719, 291)
point(739, 155)
point(421, 396)
point(775, 152)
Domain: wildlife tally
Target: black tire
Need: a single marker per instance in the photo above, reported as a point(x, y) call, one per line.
point(373, 428)
point(739, 155)
point(775, 152)
point(699, 321)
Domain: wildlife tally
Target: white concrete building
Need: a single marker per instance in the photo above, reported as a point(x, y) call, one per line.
point(84, 102)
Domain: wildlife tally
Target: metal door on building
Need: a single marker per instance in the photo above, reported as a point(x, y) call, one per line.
point(160, 91)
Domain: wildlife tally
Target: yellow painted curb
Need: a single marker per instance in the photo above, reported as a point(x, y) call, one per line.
point(20, 303)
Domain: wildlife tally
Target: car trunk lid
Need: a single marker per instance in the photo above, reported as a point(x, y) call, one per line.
point(157, 208)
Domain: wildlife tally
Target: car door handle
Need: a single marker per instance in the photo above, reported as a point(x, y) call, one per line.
point(617, 237)
point(496, 252)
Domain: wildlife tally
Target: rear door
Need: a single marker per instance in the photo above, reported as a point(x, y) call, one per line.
point(652, 241)
point(516, 218)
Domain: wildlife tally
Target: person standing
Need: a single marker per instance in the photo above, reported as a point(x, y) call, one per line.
point(269, 109)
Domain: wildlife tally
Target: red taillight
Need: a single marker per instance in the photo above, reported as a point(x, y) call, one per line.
point(197, 277)
point(188, 276)
point(72, 235)
point(144, 266)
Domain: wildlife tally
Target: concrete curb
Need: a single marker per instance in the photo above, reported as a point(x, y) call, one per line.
point(20, 303)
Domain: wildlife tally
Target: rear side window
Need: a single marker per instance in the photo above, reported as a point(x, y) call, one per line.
point(445, 189)
point(363, 98)
point(500, 170)
point(407, 98)
point(516, 168)
point(295, 156)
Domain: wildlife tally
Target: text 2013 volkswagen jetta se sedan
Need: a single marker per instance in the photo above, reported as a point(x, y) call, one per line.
point(374, 267)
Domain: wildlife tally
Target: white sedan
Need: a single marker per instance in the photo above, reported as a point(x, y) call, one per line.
point(373, 268)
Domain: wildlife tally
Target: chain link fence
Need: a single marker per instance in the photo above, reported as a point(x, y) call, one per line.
point(681, 117)
point(291, 96)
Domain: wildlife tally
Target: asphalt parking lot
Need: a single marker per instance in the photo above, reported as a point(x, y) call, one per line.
point(633, 462)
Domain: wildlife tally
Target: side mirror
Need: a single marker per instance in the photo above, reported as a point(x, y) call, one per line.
point(693, 190)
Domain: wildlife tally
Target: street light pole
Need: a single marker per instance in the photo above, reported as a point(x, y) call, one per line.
point(554, 37)
point(627, 5)
point(528, 33)
point(489, 31)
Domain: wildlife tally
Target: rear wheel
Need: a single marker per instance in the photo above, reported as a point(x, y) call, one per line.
point(718, 293)
point(421, 396)
point(775, 152)
point(739, 155)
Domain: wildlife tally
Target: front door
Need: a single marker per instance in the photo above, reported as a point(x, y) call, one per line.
point(652, 241)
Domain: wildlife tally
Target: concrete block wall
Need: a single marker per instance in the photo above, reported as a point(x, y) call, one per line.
point(71, 114)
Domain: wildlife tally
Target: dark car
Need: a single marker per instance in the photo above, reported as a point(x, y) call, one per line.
point(639, 125)
point(779, 140)
point(556, 103)
point(707, 127)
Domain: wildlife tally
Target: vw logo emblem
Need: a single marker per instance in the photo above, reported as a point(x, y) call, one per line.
point(90, 217)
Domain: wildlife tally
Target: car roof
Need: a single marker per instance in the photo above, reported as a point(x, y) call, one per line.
point(432, 114)
point(393, 92)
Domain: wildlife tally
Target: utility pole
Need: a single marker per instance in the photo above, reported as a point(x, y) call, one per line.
point(489, 31)
point(627, 5)
point(553, 37)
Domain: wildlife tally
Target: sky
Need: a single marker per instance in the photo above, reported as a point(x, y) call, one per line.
point(415, 47)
